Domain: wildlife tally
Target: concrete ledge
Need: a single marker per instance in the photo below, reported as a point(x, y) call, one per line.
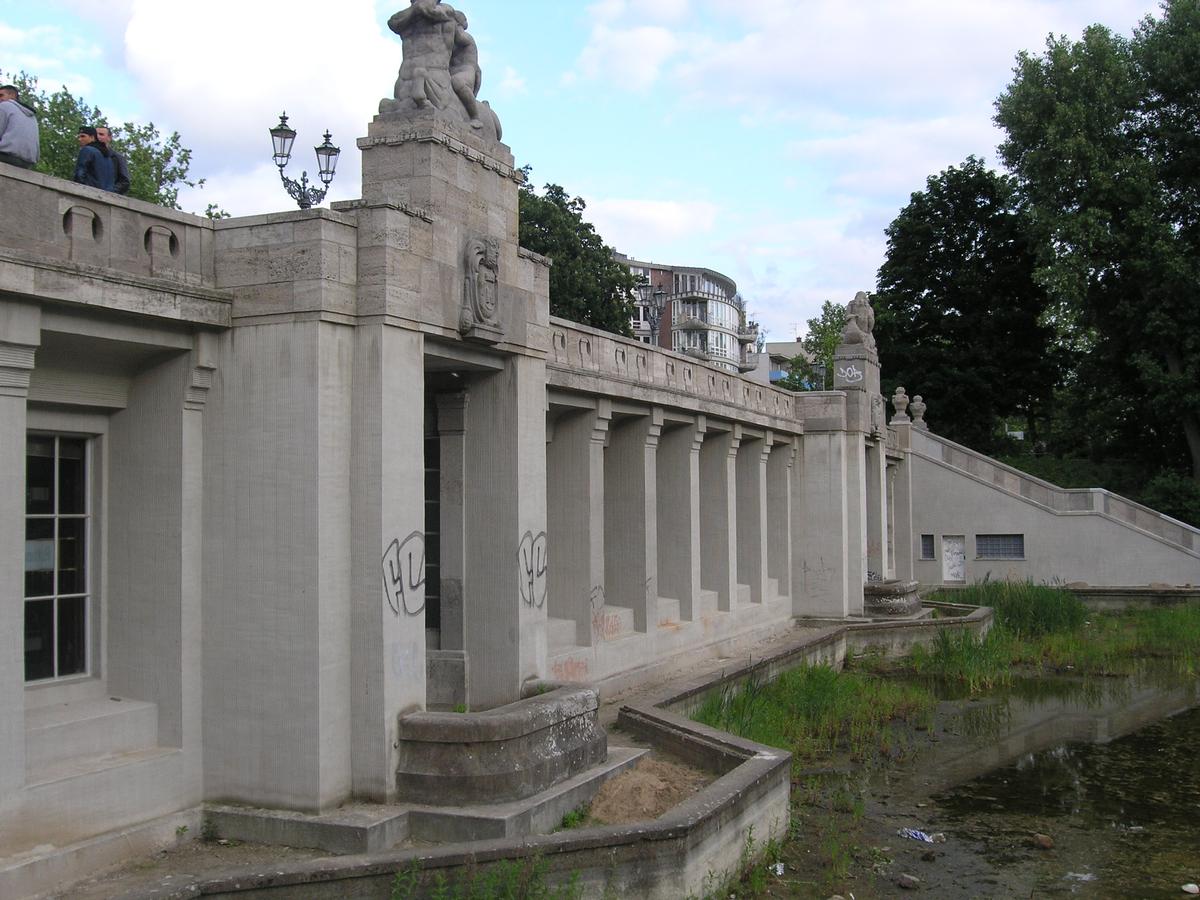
point(508, 753)
point(48, 866)
point(352, 829)
point(1134, 596)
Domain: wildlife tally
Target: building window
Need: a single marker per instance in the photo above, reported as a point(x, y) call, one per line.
point(57, 522)
point(1000, 546)
point(927, 551)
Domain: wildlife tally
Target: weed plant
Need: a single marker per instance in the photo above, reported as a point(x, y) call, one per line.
point(515, 879)
point(1023, 608)
point(814, 711)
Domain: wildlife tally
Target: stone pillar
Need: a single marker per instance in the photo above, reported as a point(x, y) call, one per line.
point(678, 515)
point(507, 563)
point(877, 513)
point(450, 662)
point(779, 525)
point(575, 516)
point(856, 522)
point(388, 550)
point(631, 518)
point(903, 538)
point(718, 515)
point(751, 474)
point(821, 522)
point(20, 336)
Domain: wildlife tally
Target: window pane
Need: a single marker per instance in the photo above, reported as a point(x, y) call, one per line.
point(39, 476)
point(39, 557)
point(72, 574)
point(1000, 546)
point(72, 636)
point(39, 639)
point(71, 498)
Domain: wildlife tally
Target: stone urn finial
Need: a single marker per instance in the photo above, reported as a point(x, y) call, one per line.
point(918, 412)
point(900, 403)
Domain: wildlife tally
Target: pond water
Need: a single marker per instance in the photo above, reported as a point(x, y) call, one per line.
point(1108, 768)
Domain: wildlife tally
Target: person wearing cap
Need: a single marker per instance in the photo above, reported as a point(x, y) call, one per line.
point(19, 140)
point(94, 165)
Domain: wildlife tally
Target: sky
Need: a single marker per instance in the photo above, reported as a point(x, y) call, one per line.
point(772, 141)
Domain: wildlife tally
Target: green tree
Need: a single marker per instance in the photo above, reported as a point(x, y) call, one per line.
point(158, 165)
point(1104, 136)
point(813, 369)
point(586, 284)
point(958, 314)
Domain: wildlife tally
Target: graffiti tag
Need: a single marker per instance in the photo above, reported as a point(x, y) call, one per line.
point(532, 559)
point(850, 373)
point(404, 574)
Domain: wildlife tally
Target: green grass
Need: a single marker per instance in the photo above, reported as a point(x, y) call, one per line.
point(814, 712)
point(1043, 628)
point(514, 879)
point(1023, 608)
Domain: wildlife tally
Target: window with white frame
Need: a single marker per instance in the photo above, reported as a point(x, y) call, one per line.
point(1000, 546)
point(927, 547)
point(57, 523)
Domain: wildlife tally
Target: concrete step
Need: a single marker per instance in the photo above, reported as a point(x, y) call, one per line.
point(539, 814)
point(87, 729)
point(611, 623)
point(706, 603)
point(743, 596)
point(668, 611)
point(560, 634)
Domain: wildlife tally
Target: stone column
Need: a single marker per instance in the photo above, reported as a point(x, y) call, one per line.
point(877, 513)
point(631, 518)
point(821, 524)
point(20, 336)
point(903, 538)
point(505, 591)
point(751, 473)
point(779, 526)
point(449, 664)
point(575, 516)
point(718, 515)
point(678, 514)
point(388, 668)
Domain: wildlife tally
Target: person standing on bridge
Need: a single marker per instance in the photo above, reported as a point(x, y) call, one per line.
point(94, 165)
point(19, 139)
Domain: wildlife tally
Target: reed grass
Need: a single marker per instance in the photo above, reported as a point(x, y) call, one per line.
point(814, 711)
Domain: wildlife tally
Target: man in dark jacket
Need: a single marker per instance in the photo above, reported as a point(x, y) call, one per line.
point(93, 166)
point(18, 130)
point(120, 166)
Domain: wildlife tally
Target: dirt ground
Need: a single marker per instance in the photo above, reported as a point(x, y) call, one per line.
point(646, 791)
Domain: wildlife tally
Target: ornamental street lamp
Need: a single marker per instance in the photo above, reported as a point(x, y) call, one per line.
point(282, 137)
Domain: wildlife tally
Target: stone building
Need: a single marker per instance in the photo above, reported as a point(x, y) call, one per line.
point(273, 486)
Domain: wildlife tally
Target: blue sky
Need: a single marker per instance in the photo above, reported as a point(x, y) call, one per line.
point(772, 141)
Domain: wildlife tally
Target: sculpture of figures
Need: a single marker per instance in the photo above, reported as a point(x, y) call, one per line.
point(481, 267)
point(440, 69)
point(900, 404)
point(860, 322)
point(918, 411)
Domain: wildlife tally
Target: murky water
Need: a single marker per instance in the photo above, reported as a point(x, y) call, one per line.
point(1108, 768)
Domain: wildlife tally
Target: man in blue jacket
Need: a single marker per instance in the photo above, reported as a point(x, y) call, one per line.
point(120, 166)
point(94, 166)
point(18, 130)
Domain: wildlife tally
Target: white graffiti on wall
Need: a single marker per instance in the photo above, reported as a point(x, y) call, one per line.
point(404, 574)
point(850, 373)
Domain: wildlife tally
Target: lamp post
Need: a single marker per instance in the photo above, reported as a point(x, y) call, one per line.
point(282, 137)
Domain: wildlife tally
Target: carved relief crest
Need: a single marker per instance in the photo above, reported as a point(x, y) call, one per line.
point(478, 318)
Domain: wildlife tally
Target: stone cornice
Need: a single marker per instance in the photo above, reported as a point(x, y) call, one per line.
point(31, 275)
point(435, 133)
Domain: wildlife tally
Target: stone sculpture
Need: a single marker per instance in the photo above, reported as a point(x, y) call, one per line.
point(860, 322)
point(918, 411)
point(900, 404)
point(478, 318)
point(440, 69)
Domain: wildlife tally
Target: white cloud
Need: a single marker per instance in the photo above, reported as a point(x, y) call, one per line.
point(225, 109)
point(511, 83)
point(630, 58)
point(53, 55)
point(638, 226)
